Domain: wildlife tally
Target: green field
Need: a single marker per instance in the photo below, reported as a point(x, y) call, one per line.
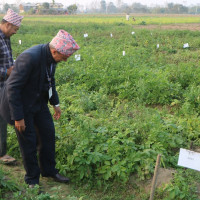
point(119, 112)
point(106, 19)
point(112, 19)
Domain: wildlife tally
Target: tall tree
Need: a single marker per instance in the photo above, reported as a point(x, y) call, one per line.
point(72, 9)
point(170, 5)
point(6, 6)
point(111, 8)
point(45, 5)
point(103, 6)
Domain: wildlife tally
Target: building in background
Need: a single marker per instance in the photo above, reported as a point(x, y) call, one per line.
point(25, 7)
point(42, 8)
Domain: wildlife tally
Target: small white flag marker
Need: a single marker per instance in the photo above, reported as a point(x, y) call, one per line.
point(133, 33)
point(85, 35)
point(20, 42)
point(124, 53)
point(78, 57)
point(111, 35)
point(157, 46)
point(186, 45)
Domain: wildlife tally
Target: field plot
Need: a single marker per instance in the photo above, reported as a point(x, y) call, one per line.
point(120, 110)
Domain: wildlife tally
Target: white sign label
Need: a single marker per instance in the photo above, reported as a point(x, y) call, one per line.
point(78, 57)
point(50, 92)
point(186, 45)
point(158, 46)
point(133, 33)
point(111, 35)
point(85, 35)
point(20, 42)
point(124, 53)
point(189, 159)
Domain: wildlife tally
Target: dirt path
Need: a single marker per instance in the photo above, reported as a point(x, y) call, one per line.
point(191, 27)
point(16, 173)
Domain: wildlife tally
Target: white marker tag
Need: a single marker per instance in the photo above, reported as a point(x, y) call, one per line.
point(20, 42)
point(78, 57)
point(189, 159)
point(85, 35)
point(133, 33)
point(50, 92)
point(186, 45)
point(157, 46)
point(124, 53)
point(111, 35)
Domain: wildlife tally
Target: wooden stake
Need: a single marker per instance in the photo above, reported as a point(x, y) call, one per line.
point(155, 177)
point(191, 145)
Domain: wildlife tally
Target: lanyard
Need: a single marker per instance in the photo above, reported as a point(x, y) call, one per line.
point(49, 75)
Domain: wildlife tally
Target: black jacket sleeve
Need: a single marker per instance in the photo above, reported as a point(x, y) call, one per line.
point(16, 83)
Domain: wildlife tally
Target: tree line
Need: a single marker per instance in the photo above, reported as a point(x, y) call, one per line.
point(101, 6)
point(120, 7)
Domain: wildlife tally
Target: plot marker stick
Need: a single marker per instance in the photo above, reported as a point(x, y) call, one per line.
point(155, 177)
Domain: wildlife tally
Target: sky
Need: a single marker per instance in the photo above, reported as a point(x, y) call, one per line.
point(88, 2)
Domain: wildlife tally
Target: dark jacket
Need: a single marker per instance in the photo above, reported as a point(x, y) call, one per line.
point(25, 84)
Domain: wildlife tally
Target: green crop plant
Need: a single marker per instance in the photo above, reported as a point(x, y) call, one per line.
point(119, 112)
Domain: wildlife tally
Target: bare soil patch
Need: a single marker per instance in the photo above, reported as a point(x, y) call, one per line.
point(191, 27)
point(164, 177)
point(162, 15)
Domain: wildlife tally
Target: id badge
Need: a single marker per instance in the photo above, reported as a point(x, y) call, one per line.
point(50, 92)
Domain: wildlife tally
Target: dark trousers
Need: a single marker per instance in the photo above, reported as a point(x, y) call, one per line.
point(39, 132)
point(3, 137)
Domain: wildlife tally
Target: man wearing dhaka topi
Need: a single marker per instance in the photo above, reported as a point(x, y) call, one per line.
point(8, 27)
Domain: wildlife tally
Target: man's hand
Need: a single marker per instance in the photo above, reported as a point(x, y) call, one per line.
point(9, 70)
point(57, 113)
point(20, 125)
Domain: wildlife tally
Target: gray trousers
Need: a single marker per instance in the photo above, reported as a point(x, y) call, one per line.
point(3, 137)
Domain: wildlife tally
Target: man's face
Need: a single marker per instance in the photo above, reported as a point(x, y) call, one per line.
point(11, 29)
point(58, 57)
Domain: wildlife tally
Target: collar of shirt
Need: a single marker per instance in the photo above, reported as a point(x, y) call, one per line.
point(6, 39)
point(50, 59)
point(2, 34)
